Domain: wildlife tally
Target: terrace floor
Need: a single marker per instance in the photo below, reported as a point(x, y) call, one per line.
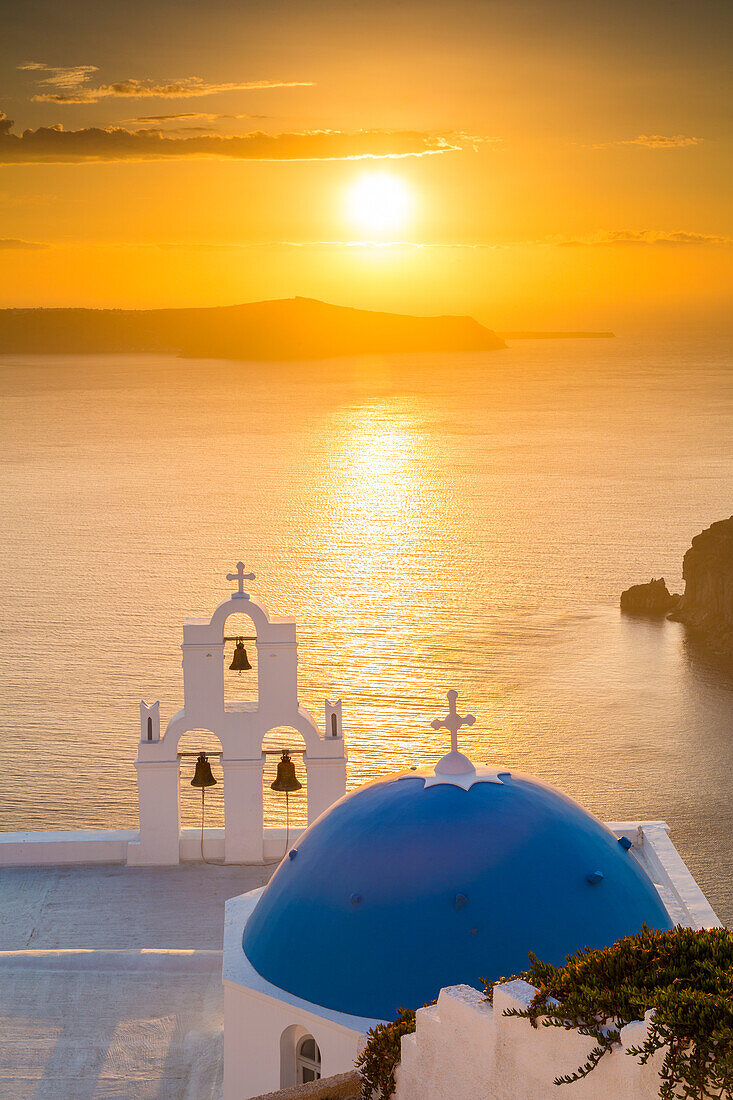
point(110, 980)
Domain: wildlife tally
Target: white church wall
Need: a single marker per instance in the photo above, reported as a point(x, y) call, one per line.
point(243, 796)
point(465, 1049)
point(683, 898)
point(254, 1061)
point(149, 721)
point(159, 797)
point(257, 1015)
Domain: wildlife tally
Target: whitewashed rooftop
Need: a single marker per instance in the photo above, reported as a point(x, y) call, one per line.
point(110, 980)
point(110, 976)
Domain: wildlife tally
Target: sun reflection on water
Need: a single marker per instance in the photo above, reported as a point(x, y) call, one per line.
point(430, 522)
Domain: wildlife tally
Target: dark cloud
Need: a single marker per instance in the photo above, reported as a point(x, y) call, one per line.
point(642, 237)
point(12, 242)
point(653, 141)
point(70, 84)
point(51, 144)
point(186, 116)
point(171, 131)
point(187, 88)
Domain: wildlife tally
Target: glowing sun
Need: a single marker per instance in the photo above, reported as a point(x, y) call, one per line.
point(379, 203)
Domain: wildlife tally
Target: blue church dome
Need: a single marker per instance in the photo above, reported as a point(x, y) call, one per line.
point(419, 881)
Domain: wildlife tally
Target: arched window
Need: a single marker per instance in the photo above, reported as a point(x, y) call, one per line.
point(150, 729)
point(307, 1061)
point(334, 726)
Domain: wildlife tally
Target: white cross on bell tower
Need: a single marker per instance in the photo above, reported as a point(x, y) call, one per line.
point(241, 577)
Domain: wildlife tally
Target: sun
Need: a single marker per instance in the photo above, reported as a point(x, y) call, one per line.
point(379, 203)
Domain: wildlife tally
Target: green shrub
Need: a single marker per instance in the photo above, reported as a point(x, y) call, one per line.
point(684, 975)
point(381, 1055)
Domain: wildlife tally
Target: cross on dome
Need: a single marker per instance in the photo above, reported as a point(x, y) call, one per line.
point(241, 577)
point(454, 767)
point(453, 720)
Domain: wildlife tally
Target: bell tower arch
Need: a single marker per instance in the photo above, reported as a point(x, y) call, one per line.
point(240, 727)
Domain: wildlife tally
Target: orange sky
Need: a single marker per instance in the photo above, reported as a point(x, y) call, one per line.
point(563, 163)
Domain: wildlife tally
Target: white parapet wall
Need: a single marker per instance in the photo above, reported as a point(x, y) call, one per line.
point(653, 848)
point(466, 1049)
point(73, 846)
point(122, 846)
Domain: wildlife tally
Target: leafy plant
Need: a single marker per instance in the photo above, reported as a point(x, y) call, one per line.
point(686, 976)
point(381, 1055)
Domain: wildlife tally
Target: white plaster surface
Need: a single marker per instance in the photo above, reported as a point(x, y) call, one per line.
point(465, 1049)
point(257, 1013)
point(70, 846)
point(110, 981)
point(120, 845)
point(653, 848)
point(240, 729)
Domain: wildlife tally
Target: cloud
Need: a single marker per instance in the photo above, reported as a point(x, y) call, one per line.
point(619, 237)
point(12, 242)
point(186, 116)
point(53, 144)
point(65, 77)
point(653, 141)
point(170, 131)
point(71, 85)
point(641, 237)
point(187, 88)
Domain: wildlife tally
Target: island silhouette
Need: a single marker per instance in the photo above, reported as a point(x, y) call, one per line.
point(288, 328)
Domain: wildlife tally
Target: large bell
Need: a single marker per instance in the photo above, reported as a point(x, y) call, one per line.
point(202, 777)
point(286, 779)
point(239, 660)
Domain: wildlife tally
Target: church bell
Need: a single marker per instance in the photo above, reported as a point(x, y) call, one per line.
point(202, 777)
point(286, 779)
point(239, 660)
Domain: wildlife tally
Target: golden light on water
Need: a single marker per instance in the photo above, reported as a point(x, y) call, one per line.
point(379, 203)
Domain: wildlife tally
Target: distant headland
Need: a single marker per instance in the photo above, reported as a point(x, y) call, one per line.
point(556, 335)
point(289, 328)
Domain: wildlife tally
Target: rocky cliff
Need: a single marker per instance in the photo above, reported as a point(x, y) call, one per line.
point(653, 598)
point(707, 604)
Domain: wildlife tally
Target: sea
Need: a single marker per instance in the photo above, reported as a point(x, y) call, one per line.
point(431, 521)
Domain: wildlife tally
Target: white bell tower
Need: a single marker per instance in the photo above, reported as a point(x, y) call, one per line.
point(240, 727)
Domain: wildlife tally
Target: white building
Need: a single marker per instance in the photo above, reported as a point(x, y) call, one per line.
point(412, 884)
point(426, 881)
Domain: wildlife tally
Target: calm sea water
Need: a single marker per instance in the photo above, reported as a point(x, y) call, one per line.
point(431, 521)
